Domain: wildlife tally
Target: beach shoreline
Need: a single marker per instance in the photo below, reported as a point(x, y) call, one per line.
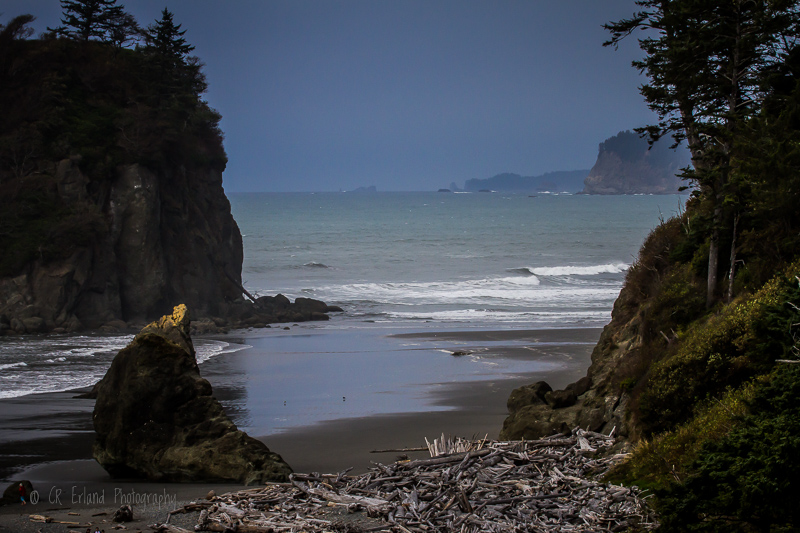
point(47, 438)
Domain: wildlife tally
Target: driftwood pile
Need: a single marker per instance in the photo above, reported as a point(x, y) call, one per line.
point(541, 486)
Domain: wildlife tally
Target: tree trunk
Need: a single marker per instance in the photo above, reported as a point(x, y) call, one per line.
point(713, 256)
point(732, 271)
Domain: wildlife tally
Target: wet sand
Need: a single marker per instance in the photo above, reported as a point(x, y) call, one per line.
point(47, 438)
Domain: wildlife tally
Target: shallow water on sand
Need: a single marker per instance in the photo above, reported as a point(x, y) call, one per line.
point(290, 379)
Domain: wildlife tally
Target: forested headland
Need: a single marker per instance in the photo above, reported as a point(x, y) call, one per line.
point(699, 366)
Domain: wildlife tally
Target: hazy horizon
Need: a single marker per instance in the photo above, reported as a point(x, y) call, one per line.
point(408, 95)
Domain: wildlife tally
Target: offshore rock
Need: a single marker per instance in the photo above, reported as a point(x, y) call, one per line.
point(155, 416)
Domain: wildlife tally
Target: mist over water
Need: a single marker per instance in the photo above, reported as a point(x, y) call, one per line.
point(397, 259)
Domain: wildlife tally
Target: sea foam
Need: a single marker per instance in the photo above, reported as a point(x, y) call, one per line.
point(574, 270)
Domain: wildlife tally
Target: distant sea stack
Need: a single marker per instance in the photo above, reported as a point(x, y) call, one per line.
point(625, 165)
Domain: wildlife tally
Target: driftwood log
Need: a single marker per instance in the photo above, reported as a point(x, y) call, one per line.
point(547, 485)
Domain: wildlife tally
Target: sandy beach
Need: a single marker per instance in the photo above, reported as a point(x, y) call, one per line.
point(47, 438)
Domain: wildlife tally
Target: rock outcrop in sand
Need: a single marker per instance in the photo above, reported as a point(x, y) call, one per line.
point(596, 402)
point(156, 418)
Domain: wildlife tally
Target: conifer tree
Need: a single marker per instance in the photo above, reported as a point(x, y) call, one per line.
point(705, 60)
point(85, 19)
point(165, 38)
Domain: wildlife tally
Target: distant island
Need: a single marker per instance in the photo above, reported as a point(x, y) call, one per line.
point(371, 188)
point(625, 164)
point(559, 181)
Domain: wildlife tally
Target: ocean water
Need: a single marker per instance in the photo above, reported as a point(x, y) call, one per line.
point(396, 262)
point(483, 259)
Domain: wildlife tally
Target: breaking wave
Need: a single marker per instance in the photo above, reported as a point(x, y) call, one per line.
point(572, 270)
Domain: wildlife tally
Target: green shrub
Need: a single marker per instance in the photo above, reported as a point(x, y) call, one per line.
point(724, 351)
point(749, 480)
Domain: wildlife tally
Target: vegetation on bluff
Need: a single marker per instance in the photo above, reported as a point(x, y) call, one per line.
point(102, 92)
point(715, 291)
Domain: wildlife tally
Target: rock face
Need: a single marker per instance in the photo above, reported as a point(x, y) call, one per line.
point(596, 402)
point(626, 166)
point(155, 417)
point(166, 237)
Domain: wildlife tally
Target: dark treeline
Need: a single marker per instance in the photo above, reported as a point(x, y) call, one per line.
point(714, 289)
point(104, 92)
point(630, 146)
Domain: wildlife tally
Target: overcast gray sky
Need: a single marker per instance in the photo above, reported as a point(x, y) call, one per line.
point(403, 94)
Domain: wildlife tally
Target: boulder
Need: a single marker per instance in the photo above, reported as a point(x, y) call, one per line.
point(315, 306)
point(123, 514)
point(273, 303)
point(537, 421)
point(528, 395)
point(309, 304)
point(11, 494)
point(34, 324)
point(155, 416)
point(559, 399)
point(581, 386)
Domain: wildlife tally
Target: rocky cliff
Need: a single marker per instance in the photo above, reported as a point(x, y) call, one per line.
point(625, 165)
point(112, 208)
point(155, 416)
point(164, 236)
point(596, 402)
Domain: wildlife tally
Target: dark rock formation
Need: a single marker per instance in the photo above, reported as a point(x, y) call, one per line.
point(11, 494)
point(112, 207)
point(596, 402)
point(168, 236)
point(528, 395)
point(156, 418)
point(625, 165)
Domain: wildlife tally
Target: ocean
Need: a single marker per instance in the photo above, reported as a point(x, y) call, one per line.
point(397, 263)
point(444, 259)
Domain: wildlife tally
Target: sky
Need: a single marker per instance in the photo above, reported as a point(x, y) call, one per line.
point(405, 95)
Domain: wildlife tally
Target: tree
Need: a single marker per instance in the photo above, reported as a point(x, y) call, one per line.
point(705, 61)
point(178, 74)
point(16, 29)
point(122, 29)
point(85, 19)
point(166, 39)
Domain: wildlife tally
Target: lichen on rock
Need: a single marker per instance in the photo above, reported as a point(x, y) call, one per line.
point(155, 416)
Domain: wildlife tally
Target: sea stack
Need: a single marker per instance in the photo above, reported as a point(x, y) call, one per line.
point(156, 418)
